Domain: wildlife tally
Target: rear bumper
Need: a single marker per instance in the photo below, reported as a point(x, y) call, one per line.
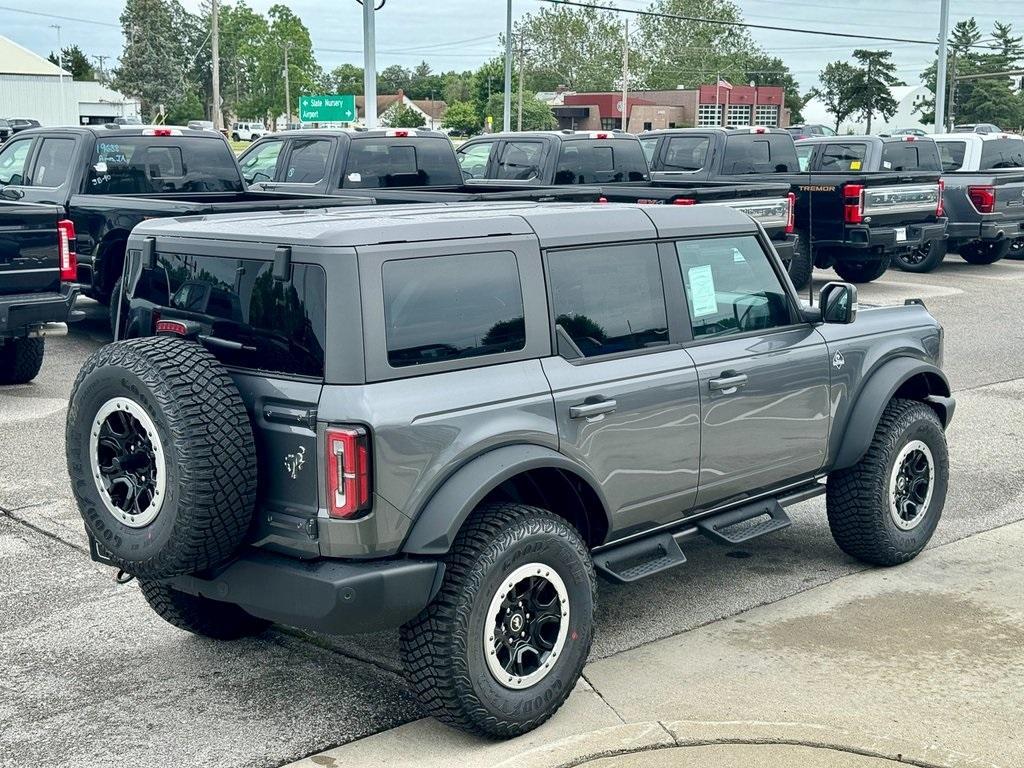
point(31, 313)
point(985, 230)
point(331, 596)
point(863, 239)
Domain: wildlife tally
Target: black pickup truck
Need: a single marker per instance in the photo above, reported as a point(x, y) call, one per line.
point(848, 217)
point(616, 162)
point(37, 265)
point(107, 179)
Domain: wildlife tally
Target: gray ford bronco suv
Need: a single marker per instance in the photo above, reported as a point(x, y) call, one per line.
point(449, 419)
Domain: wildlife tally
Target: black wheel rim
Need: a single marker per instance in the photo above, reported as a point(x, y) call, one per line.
point(911, 485)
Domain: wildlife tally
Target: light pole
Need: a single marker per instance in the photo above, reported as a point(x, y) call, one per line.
point(60, 66)
point(940, 70)
point(506, 120)
point(370, 61)
point(287, 90)
point(218, 116)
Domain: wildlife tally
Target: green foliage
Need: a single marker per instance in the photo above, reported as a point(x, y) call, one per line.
point(462, 119)
point(871, 89)
point(487, 81)
point(764, 69)
point(401, 116)
point(74, 60)
point(835, 91)
point(537, 115)
point(348, 78)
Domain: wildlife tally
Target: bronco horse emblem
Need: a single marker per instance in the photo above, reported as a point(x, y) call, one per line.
point(294, 462)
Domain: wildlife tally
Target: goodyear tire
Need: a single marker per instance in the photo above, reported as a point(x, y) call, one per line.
point(925, 258)
point(985, 251)
point(884, 509)
point(200, 615)
point(161, 456)
point(861, 271)
point(20, 359)
point(505, 640)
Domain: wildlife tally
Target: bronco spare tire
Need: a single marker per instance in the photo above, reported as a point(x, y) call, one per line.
point(161, 456)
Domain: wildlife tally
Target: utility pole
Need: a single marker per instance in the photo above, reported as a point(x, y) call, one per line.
point(287, 89)
point(871, 96)
point(370, 62)
point(506, 121)
point(60, 66)
point(951, 108)
point(218, 116)
point(940, 72)
point(522, 56)
point(99, 66)
point(625, 78)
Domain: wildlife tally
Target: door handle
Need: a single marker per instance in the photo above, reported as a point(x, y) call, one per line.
point(589, 410)
point(728, 383)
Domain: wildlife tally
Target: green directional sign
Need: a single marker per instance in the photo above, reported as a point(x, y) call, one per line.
point(329, 108)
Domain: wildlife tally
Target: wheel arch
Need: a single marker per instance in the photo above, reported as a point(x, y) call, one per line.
point(529, 473)
point(902, 377)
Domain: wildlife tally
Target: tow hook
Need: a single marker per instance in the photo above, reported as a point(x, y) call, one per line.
point(123, 577)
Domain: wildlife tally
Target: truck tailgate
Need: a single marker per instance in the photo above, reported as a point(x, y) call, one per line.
point(29, 260)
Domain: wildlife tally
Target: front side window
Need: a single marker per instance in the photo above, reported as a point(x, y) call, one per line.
point(307, 163)
point(452, 307)
point(609, 299)
point(13, 159)
point(843, 158)
point(686, 153)
point(474, 158)
point(261, 163)
point(731, 287)
point(52, 162)
point(520, 160)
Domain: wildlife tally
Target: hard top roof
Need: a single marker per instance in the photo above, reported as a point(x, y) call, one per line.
point(555, 224)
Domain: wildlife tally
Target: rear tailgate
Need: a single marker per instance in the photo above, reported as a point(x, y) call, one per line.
point(910, 200)
point(29, 259)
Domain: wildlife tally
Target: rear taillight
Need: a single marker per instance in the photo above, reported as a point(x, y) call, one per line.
point(940, 208)
point(348, 471)
point(66, 250)
point(602, 199)
point(175, 327)
point(684, 201)
point(983, 197)
point(791, 214)
point(853, 203)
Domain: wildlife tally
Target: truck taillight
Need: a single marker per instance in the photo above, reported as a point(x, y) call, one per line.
point(940, 207)
point(983, 197)
point(853, 203)
point(791, 214)
point(348, 471)
point(66, 250)
point(684, 201)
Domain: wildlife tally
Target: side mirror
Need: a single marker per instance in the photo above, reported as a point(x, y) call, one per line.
point(838, 303)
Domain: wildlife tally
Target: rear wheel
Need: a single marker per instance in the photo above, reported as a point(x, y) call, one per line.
point(1016, 249)
point(504, 642)
point(985, 251)
point(861, 271)
point(200, 615)
point(20, 360)
point(800, 267)
point(924, 258)
point(234, 137)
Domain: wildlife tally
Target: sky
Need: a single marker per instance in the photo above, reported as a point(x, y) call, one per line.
point(461, 34)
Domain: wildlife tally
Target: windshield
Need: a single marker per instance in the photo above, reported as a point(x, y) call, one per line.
point(135, 165)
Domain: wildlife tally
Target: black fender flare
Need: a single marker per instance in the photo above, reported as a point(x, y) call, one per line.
point(876, 393)
point(440, 519)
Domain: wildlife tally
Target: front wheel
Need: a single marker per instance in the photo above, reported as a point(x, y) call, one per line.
point(504, 642)
point(924, 258)
point(862, 271)
point(884, 509)
point(985, 251)
point(234, 137)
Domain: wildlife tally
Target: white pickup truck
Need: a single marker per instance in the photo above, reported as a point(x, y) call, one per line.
point(984, 194)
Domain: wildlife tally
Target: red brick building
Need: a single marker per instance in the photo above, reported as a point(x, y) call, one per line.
point(724, 104)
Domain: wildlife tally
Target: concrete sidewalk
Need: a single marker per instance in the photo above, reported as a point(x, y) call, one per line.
point(921, 664)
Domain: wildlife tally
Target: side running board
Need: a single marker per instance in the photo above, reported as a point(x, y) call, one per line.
point(639, 559)
point(740, 525)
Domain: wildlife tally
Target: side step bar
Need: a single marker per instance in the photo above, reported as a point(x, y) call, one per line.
point(738, 526)
point(639, 559)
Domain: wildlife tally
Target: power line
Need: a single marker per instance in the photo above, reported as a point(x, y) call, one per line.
point(62, 18)
point(744, 24)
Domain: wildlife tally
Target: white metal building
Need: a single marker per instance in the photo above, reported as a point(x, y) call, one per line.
point(31, 87)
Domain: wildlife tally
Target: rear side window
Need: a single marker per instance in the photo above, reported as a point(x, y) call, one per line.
point(280, 327)
point(1002, 153)
point(759, 153)
point(307, 163)
point(686, 153)
point(520, 160)
point(452, 307)
point(380, 163)
point(952, 154)
point(910, 156)
point(53, 162)
point(132, 165)
point(843, 158)
point(601, 162)
point(609, 299)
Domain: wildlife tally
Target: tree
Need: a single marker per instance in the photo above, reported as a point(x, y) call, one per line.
point(244, 40)
point(348, 78)
point(400, 115)
point(488, 80)
point(75, 61)
point(457, 86)
point(462, 119)
point(670, 53)
point(871, 88)
point(835, 90)
point(537, 115)
point(424, 83)
point(579, 48)
point(764, 69)
point(963, 59)
point(392, 79)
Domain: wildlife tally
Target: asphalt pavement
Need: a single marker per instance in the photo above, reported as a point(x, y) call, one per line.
point(91, 677)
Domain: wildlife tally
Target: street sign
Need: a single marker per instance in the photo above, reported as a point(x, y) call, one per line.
point(329, 108)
